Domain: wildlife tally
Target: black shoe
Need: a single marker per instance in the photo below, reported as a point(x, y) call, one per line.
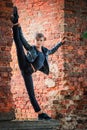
point(14, 17)
point(44, 116)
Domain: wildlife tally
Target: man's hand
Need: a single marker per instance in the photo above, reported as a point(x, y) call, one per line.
point(14, 16)
point(63, 39)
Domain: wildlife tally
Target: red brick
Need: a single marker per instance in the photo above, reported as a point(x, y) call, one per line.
point(52, 17)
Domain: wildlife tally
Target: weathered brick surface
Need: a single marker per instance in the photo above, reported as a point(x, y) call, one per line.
point(6, 102)
point(63, 93)
point(45, 17)
point(72, 98)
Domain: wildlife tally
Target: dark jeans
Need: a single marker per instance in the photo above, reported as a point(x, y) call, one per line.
point(26, 70)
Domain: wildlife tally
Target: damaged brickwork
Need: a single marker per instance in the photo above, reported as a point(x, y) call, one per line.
point(62, 94)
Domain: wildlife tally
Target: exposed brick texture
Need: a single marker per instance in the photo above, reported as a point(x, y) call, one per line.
point(6, 101)
point(75, 65)
point(38, 16)
point(62, 94)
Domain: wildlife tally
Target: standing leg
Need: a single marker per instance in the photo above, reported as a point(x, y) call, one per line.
point(30, 89)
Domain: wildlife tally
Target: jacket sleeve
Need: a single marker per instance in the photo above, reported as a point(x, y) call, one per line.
point(23, 40)
point(54, 49)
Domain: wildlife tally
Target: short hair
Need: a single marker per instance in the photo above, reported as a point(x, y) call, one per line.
point(40, 35)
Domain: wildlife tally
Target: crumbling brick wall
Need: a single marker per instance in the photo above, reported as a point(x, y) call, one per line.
point(63, 93)
point(6, 100)
point(44, 17)
point(72, 99)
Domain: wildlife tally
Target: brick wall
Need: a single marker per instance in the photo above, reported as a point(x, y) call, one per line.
point(6, 101)
point(63, 93)
point(72, 100)
point(38, 16)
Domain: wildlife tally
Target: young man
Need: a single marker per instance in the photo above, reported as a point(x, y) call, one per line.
point(35, 59)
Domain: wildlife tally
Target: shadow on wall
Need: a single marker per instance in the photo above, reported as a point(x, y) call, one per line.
point(6, 97)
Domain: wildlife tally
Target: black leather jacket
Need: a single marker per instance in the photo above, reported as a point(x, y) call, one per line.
point(38, 59)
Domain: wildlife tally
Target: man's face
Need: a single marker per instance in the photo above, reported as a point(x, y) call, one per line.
point(39, 42)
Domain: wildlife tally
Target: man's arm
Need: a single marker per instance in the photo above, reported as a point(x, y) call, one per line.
point(59, 44)
point(54, 49)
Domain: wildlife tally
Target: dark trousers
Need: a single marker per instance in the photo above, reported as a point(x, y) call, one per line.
point(26, 70)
